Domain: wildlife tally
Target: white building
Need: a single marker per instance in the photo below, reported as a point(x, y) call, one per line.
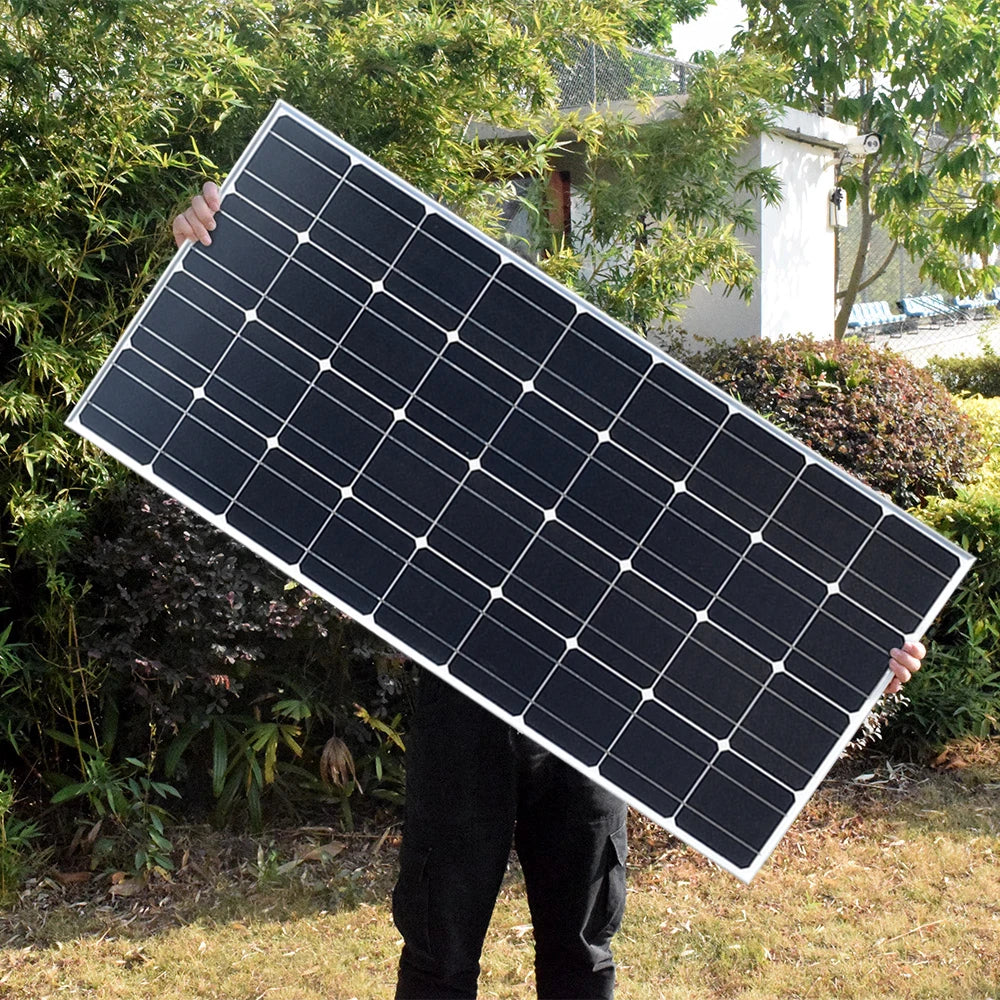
point(794, 243)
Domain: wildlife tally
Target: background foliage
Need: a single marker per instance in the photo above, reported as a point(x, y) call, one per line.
point(965, 376)
point(957, 694)
point(110, 116)
point(923, 77)
point(104, 110)
point(142, 656)
point(140, 653)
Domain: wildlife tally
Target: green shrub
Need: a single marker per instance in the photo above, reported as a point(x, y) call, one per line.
point(870, 411)
point(985, 414)
point(957, 692)
point(17, 837)
point(969, 376)
point(128, 805)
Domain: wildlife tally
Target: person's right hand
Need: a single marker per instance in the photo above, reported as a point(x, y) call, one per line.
point(199, 220)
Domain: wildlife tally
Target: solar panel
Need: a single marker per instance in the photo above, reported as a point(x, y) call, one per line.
point(517, 492)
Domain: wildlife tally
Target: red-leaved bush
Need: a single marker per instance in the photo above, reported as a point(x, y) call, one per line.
point(194, 636)
point(870, 411)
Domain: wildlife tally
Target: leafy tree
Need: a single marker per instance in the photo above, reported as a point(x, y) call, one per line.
point(923, 76)
point(406, 81)
point(101, 110)
point(663, 204)
point(650, 23)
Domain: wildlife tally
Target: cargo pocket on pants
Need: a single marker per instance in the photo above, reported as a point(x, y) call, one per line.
point(608, 903)
point(617, 855)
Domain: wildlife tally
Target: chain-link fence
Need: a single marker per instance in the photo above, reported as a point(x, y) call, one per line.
point(600, 76)
point(946, 329)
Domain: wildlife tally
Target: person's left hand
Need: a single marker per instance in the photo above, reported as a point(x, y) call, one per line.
point(904, 663)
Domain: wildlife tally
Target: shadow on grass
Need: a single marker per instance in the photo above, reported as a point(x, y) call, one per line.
point(287, 876)
point(958, 797)
point(220, 880)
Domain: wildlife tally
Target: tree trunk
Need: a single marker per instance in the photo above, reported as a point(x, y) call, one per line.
point(850, 292)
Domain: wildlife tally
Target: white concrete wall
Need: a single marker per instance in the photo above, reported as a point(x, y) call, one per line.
point(715, 315)
point(797, 242)
point(794, 245)
point(712, 313)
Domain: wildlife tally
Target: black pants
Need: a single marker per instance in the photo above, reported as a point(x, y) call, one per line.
point(472, 786)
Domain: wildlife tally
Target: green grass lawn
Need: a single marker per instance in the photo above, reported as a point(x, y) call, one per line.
point(888, 885)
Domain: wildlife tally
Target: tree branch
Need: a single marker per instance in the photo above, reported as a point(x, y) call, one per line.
point(881, 269)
